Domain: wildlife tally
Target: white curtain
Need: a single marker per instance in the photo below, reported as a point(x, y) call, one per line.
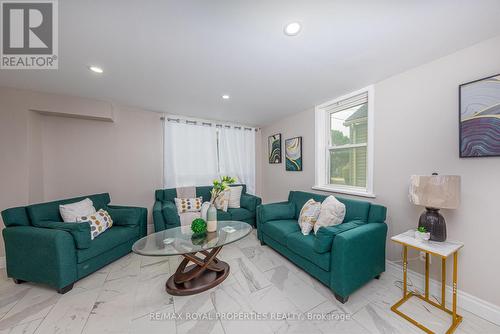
point(237, 155)
point(190, 155)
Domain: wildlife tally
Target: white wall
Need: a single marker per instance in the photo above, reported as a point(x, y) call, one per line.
point(416, 132)
point(50, 157)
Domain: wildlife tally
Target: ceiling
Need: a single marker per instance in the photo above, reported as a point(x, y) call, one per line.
point(181, 56)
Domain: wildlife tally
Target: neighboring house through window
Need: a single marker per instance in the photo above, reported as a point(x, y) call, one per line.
point(344, 144)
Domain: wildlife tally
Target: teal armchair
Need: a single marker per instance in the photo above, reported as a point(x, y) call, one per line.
point(343, 257)
point(165, 213)
point(41, 248)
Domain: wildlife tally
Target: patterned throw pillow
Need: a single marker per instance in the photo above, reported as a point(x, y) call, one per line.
point(99, 222)
point(222, 201)
point(188, 204)
point(309, 215)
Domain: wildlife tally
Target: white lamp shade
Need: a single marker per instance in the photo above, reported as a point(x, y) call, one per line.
point(435, 191)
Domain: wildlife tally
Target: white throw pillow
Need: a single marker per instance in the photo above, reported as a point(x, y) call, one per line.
point(222, 201)
point(309, 215)
point(204, 210)
point(235, 196)
point(71, 212)
point(99, 222)
point(188, 204)
point(332, 213)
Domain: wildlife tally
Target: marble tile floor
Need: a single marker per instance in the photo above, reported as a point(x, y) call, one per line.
point(128, 296)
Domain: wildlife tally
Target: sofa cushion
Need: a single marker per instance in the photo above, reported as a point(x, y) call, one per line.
point(280, 229)
point(111, 238)
point(50, 211)
point(204, 192)
point(223, 215)
point(303, 245)
point(355, 210)
point(299, 198)
point(277, 211)
point(125, 216)
point(241, 214)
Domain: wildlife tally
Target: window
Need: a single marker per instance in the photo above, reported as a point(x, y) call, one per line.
point(197, 152)
point(344, 142)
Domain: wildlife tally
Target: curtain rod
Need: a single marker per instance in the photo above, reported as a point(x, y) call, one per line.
point(217, 125)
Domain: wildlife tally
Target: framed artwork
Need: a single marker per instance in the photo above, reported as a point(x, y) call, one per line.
point(274, 148)
point(479, 118)
point(293, 154)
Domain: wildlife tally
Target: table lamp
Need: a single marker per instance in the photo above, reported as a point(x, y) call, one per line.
point(435, 192)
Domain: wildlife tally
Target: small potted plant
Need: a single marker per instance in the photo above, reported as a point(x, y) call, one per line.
point(422, 234)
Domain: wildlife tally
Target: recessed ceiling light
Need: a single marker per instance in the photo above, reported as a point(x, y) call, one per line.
point(292, 29)
point(225, 97)
point(96, 69)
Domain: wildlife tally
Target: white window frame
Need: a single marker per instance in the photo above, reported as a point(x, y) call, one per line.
point(322, 147)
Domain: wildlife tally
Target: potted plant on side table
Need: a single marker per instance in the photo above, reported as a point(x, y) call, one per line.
point(422, 234)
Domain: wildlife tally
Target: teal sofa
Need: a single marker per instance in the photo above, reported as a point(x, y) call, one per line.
point(343, 257)
point(41, 248)
point(165, 214)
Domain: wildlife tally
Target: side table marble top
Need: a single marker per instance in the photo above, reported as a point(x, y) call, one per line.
point(443, 249)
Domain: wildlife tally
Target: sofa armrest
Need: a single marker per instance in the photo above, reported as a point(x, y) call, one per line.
point(130, 216)
point(377, 214)
point(80, 231)
point(358, 255)
point(273, 211)
point(40, 255)
point(158, 220)
point(250, 202)
point(170, 215)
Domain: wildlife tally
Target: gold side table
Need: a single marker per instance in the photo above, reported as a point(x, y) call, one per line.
point(442, 250)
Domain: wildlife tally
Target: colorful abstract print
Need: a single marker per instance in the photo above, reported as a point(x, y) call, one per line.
point(293, 154)
point(480, 118)
point(275, 149)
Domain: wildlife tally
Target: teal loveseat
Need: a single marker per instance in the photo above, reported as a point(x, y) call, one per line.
point(165, 214)
point(41, 248)
point(343, 257)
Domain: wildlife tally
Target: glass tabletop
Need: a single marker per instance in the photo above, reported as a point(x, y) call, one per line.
point(180, 240)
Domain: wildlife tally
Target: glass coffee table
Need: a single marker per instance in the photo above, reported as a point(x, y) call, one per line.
point(207, 270)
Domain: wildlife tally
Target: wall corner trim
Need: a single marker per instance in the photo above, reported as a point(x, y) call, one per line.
point(466, 301)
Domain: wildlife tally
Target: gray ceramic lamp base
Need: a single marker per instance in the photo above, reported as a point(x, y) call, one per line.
point(434, 223)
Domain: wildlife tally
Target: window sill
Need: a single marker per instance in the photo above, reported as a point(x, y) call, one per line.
point(352, 192)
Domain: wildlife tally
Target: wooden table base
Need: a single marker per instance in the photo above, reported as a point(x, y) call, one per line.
point(204, 274)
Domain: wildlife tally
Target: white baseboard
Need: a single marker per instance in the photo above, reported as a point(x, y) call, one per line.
point(2, 262)
point(466, 301)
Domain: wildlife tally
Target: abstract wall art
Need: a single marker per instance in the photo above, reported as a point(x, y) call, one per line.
point(274, 148)
point(479, 118)
point(293, 154)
